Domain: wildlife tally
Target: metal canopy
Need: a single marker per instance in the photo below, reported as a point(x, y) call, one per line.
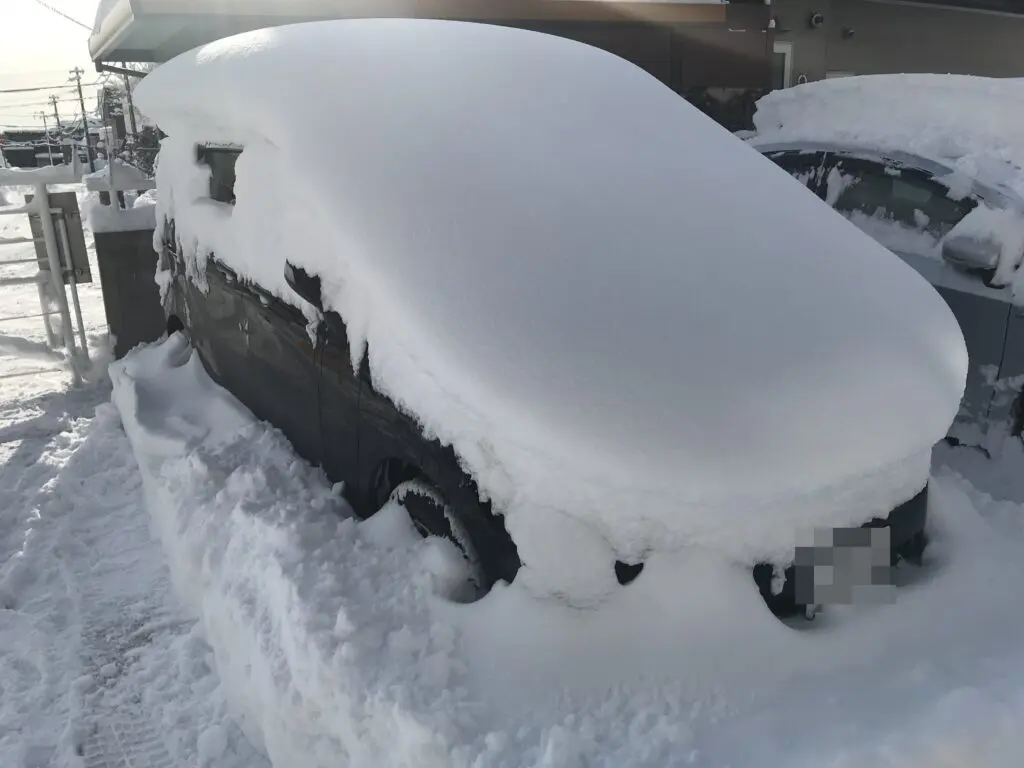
point(158, 30)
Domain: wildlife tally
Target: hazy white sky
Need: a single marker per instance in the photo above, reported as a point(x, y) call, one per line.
point(37, 48)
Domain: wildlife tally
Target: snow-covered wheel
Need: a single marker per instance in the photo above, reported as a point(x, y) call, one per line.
point(431, 516)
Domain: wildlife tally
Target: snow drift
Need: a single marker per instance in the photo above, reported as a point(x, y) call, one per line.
point(612, 309)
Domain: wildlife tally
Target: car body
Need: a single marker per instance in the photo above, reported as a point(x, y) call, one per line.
point(528, 335)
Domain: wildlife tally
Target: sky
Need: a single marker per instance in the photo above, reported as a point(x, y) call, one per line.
point(41, 50)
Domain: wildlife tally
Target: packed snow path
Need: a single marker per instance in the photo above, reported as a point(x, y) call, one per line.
point(98, 666)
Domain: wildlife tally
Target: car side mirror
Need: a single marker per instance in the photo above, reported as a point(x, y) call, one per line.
point(307, 286)
point(970, 252)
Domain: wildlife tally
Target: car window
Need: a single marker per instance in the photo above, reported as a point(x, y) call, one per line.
point(805, 167)
point(221, 161)
point(887, 192)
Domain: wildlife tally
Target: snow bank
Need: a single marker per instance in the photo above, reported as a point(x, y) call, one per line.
point(976, 122)
point(614, 311)
point(335, 642)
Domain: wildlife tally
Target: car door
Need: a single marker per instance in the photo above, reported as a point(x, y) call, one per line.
point(909, 212)
point(217, 323)
point(251, 342)
point(281, 385)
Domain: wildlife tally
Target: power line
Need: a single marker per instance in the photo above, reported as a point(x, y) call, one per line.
point(63, 15)
point(38, 88)
point(34, 103)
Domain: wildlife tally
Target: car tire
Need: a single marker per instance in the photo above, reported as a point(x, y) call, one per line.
point(431, 516)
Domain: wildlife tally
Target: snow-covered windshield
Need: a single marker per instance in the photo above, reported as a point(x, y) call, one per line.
point(905, 210)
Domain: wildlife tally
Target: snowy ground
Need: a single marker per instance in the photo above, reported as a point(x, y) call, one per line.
point(98, 665)
point(129, 630)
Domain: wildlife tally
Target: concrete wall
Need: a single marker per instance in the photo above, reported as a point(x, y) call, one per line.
point(890, 37)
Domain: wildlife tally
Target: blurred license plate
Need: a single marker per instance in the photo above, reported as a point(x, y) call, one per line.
point(844, 566)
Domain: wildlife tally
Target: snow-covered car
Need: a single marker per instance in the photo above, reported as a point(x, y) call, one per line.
point(576, 325)
point(931, 166)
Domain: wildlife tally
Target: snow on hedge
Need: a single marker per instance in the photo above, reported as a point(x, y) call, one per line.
point(617, 314)
point(336, 643)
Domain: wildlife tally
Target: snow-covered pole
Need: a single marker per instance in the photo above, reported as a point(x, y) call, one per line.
point(76, 77)
point(42, 204)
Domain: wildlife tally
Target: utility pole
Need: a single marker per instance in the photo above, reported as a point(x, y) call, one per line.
point(76, 76)
point(46, 131)
point(60, 128)
point(56, 114)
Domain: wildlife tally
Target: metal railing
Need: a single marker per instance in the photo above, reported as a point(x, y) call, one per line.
point(55, 258)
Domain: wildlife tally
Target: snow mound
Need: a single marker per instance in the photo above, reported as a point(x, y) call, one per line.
point(615, 312)
point(976, 122)
point(334, 641)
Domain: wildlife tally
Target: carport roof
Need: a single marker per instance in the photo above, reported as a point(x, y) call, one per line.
point(158, 30)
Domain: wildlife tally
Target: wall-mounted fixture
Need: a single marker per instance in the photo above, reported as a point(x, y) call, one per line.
point(848, 32)
point(816, 20)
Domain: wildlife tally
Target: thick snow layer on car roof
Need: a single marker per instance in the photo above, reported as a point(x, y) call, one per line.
point(613, 310)
point(977, 122)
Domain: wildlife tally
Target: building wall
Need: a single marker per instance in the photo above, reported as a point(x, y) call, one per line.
point(898, 38)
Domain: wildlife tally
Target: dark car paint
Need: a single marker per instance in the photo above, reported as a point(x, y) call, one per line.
point(991, 326)
point(257, 347)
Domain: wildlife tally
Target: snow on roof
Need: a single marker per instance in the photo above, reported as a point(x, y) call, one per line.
point(610, 307)
point(975, 122)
